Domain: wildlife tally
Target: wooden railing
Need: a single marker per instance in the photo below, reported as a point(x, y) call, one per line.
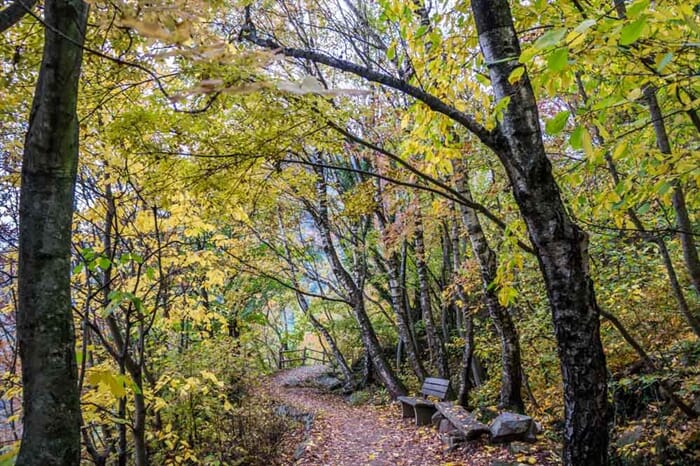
point(301, 357)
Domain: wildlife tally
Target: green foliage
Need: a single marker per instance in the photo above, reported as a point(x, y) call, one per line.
point(370, 396)
point(213, 410)
point(210, 170)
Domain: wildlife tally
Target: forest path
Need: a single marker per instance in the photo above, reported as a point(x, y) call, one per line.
point(367, 435)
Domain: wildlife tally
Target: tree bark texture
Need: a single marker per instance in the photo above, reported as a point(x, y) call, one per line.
point(14, 12)
point(560, 245)
point(51, 397)
point(435, 344)
point(511, 371)
point(139, 434)
point(402, 319)
point(465, 367)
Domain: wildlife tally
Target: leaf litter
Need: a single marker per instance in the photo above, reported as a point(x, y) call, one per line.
point(375, 435)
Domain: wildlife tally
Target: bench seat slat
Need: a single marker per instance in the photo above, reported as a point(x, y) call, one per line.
point(436, 387)
point(462, 420)
point(413, 401)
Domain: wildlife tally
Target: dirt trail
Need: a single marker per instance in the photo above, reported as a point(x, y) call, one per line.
point(344, 435)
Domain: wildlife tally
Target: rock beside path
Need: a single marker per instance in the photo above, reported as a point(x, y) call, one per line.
point(319, 376)
point(511, 426)
point(302, 376)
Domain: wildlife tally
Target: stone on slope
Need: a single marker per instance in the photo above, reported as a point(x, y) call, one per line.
point(328, 382)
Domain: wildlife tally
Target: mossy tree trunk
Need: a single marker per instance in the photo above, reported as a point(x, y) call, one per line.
point(45, 330)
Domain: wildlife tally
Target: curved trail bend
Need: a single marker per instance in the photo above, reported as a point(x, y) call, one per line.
point(367, 435)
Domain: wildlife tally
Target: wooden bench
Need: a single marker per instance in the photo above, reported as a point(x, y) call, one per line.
point(462, 420)
point(421, 408)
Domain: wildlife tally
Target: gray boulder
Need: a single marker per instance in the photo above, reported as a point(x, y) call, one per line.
point(327, 382)
point(511, 426)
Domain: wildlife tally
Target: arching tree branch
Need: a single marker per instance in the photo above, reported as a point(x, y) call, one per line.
point(249, 33)
point(14, 12)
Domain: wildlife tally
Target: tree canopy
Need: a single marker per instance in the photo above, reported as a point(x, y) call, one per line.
point(500, 193)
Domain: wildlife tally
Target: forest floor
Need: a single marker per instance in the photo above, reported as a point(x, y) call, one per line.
point(375, 435)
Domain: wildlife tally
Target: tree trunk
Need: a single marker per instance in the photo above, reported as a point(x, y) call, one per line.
point(465, 384)
point(51, 398)
point(304, 306)
point(411, 315)
point(402, 318)
point(367, 374)
point(355, 292)
point(511, 371)
point(14, 12)
point(396, 293)
point(620, 8)
point(140, 450)
point(122, 443)
point(374, 349)
point(399, 353)
point(435, 344)
point(690, 252)
point(560, 245)
point(691, 318)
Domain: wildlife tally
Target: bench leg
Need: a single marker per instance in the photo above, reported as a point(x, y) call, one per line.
point(424, 414)
point(407, 410)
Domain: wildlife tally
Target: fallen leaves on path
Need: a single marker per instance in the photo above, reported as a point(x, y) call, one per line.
point(368, 435)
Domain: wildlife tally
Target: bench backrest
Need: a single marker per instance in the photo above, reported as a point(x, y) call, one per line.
point(438, 388)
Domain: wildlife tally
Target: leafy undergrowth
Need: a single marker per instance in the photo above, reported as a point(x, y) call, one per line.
point(376, 435)
point(211, 410)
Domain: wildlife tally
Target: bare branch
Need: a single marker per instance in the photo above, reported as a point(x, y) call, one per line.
point(249, 34)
